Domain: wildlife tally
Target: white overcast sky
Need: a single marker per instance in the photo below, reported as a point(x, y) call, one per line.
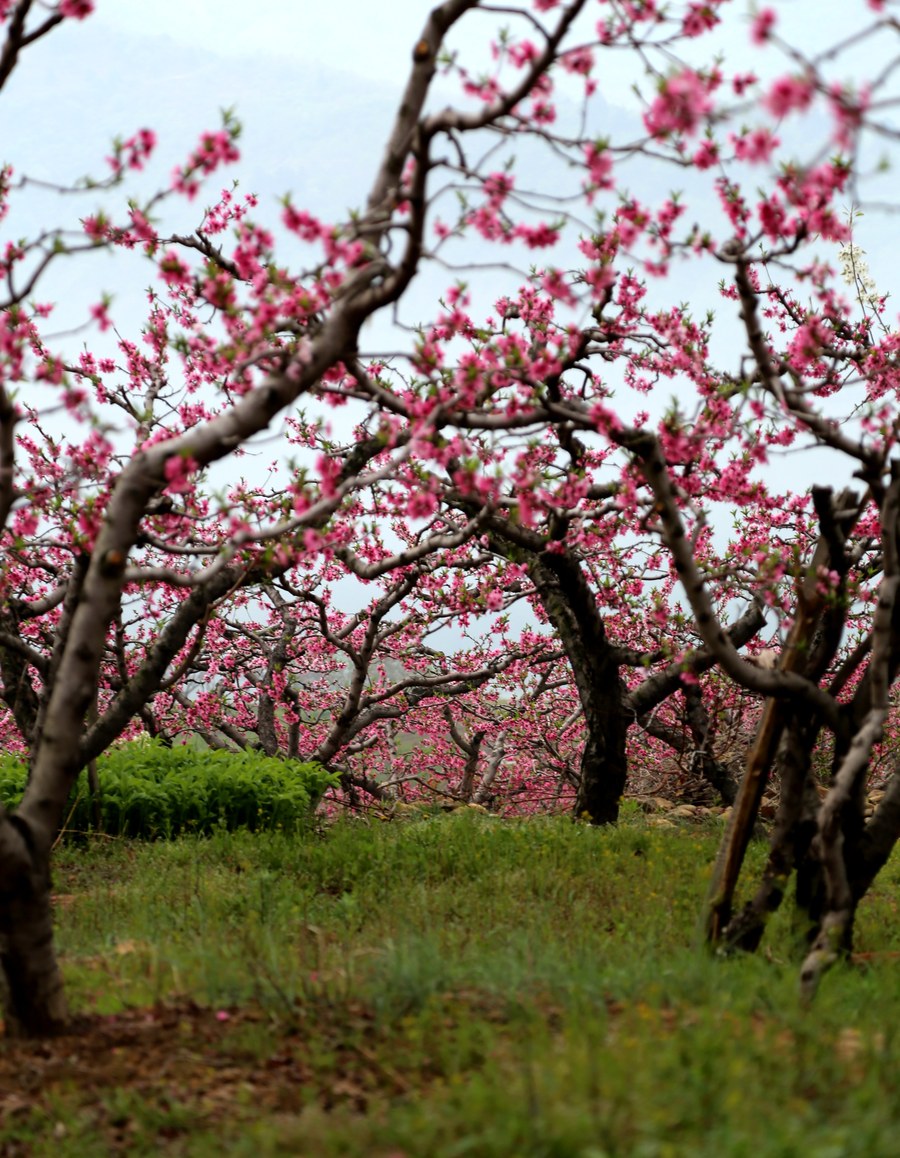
point(372, 39)
point(365, 37)
point(315, 83)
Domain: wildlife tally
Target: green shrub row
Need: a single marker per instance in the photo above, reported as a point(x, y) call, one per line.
point(148, 790)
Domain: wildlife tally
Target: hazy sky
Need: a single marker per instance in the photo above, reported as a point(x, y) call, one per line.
point(365, 37)
point(315, 83)
point(373, 39)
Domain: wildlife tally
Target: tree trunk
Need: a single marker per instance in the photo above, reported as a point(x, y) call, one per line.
point(17, 692)
point(572, 609)
point(604, 771)
point(809, 648)
point(795, 827)
point(713, 771)
point(32, 989)
point(473, 755)
point(868, 857)
point(483, 793)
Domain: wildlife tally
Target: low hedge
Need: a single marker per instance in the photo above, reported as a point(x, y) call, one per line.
point(148, 790)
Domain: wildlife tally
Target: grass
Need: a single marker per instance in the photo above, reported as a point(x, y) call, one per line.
point(446, 987)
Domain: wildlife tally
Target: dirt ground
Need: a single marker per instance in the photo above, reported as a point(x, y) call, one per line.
point(185, 1066)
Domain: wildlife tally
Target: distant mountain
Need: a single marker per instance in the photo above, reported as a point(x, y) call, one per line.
point(313, 130)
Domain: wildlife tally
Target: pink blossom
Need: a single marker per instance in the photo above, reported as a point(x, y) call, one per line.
point(543, 112)
point(330, 473)
point(706, 156)
point(555, 284)
point(76, 9)
point(806, 345)
point(848, 108)
point(763, 23)
point(787, 94)
point(141, 227)
point(599, 163)
point(498, 186)
point(682, 103)
point(142, 145)
point(100, 315)
point(136, 151)
point(173, 270)
point(772, 217)
point(741, 81)
point(96, 227)
point(756, 145)
point(178, 469)
point(25, 522)
point(307, 227)
point(213, 150)
point(537, 236)
point(699, 19)
point(524, 52)
point(421, 505)
point(580, 61)
point(88, 523)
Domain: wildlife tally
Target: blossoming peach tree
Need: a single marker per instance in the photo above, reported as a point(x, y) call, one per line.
point(557, 426)
point(390, 695)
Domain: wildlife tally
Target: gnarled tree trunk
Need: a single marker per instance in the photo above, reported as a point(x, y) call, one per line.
point(32, 990)
point(572, 609)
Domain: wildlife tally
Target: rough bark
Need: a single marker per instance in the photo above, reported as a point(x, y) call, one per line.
point(713, 771)
point(799, 658)
point(840, 823)
point(18, 692)
point(878, 839)
point(794, 829)
point(483, 792)
point(30, 981)
point(572, 609)
point(470, 746)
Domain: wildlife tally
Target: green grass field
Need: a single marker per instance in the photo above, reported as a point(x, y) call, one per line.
point(445, 987)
